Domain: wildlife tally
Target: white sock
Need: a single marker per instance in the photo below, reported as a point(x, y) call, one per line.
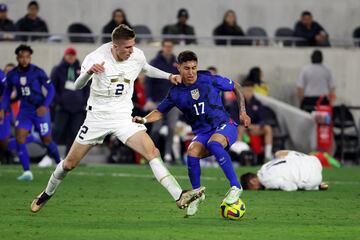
point(165, 178)
point(56, 177)
point(268, 151)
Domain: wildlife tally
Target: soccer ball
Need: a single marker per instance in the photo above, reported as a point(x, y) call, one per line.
point(233, 211)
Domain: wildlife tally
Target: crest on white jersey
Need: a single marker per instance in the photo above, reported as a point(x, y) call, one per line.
point(23, 80)
point(195, 94)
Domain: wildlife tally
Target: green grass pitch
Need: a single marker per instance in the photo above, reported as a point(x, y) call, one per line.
point(126, 202)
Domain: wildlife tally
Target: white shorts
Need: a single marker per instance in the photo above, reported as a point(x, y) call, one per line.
point(97, 126)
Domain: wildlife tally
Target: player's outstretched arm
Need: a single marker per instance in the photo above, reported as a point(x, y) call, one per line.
point(241, 101)
point(151, 117)
point(157, 73)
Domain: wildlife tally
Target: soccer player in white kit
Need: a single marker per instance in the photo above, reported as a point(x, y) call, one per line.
point(288, 171)
point(113, 68)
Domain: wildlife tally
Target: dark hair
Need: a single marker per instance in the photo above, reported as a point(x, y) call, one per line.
point(22, 48)
point(254, 75)
point(33, 3)
point(212, 68)
point(122, 32)
point(306, 13)
point(124, 15)
point(186, 56)
point(245, 179)
point(316, 57)
point(247, 83)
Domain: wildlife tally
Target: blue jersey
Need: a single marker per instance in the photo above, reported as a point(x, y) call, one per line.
point(2, 87)
point(29, 86)
point(200, 102)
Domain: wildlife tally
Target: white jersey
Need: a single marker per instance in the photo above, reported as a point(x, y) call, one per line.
point(291, 172)
point(111, 91)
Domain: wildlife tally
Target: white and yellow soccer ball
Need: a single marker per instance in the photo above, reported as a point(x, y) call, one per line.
point(233, 211)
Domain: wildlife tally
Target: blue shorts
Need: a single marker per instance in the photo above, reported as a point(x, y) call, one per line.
point(5, 126)
point(26, 120)
point(228, 130)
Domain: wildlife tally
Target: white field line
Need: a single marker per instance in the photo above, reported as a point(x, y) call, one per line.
point(132, 175)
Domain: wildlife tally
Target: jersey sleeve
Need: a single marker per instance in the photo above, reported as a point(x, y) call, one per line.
point(86, 64)
point(46, 82)
point(223, 83)
point(166, 104)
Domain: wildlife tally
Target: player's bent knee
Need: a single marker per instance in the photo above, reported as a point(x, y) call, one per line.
point(69, 164)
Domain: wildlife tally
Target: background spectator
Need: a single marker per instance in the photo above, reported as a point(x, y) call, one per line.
point(258, 127)
point(118, 17)
point(213, 70)
point(32, 23)
point(6, 25)
point(313, 33)
point(315, 80)
point(256, 76)
point(156, 91)
point(68, 116)
point(181, 28)
point(229, 27)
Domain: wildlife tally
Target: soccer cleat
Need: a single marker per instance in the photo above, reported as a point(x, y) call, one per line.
point(26, 176)
point(233, 195)
point(323, 186)
point(45, 162)
point(188, 196)
point(39, 202)
point(194, 206)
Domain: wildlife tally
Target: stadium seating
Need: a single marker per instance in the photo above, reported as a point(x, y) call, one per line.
point(346, 133)
point(83, 31)
point(285, 32)
point(144, 32)
point(257, 32)
point(356, 36)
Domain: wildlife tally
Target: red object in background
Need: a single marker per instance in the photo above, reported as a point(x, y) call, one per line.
point(140, 93)
point(15, 106)
point(324, 128)
point(323, 160)
point(257, 143)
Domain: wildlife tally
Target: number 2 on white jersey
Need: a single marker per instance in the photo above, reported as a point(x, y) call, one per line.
point(199, 106)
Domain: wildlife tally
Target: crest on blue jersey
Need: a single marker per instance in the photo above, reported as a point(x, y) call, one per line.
point(195, 94)
point(23, 80)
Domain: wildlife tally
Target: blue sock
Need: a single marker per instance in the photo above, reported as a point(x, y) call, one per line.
point(31, 138)
point(194, 171)
point(23, 156)
point(224, 160)
point(12, 144)
point(53, 151)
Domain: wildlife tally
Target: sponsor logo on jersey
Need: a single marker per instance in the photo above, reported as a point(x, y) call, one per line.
point(195, 94)
point(23, 80)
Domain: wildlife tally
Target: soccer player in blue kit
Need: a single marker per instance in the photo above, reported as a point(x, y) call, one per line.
point(5, 122)
point(29, 81)
point(198, 97)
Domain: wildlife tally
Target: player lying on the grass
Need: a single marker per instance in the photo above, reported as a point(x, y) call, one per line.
point(288, 171)
point(198, 97)
point(29, 81)
point(113, 68)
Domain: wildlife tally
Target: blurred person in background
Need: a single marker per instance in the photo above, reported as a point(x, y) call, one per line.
point(118, 17)
point(256, 76)
point(68, 115)
point(315, 80)
point(7, 26)
point(311, 31)
point(31, 22)
point(258, 126)
point(156, 90)
point(229, 27)
point(29, 81)
point(181, 28)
